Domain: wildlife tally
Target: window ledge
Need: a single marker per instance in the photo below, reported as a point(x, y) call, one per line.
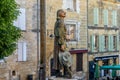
point(106, 28)
point(102, 52)
point(78, 51)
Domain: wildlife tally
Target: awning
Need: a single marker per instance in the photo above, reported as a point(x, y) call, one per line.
point(78, 51)
point(105, 57)
point(113, 67)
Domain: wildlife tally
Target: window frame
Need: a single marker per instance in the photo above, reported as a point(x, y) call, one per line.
point(114, 42)
point(77, 26)
point(106, 42)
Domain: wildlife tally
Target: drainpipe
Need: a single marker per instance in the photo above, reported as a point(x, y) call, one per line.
point(42, 39)
point(38, 39)
point(87, 43)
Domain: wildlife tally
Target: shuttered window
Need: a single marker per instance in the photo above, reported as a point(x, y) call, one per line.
point(21, 20)
point(92, 47)
point(105, 17)
point(94, 43)
point(96, 16)
point(22, 54)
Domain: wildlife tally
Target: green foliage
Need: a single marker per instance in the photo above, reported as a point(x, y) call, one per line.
point(9, 34)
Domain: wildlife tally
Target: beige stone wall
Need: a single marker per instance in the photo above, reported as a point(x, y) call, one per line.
point(29, 67)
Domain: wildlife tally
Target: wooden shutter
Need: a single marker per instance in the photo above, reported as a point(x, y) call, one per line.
point(117, 42)
point(78, 31)
point(78, 6)
point(64, 4)
point(22, 56)
point(113, 21)
point(96, 16)
point(112, 46)
point(109, 43)
point(70, 4)
point(114, 18)
point(100, 43)
point(21, 20)
point(92, 43)
point(105, 15)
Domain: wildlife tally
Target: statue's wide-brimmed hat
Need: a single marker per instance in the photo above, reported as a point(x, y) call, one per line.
point(65, 58)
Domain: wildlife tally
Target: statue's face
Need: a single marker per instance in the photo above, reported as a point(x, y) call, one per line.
point(62, 14)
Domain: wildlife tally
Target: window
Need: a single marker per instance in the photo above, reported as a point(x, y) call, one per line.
point(106, 42)
point(22, 54)
point(105, 17)
point(96, 16)
point(21, 22)
point(94, 43)
point(72, 5)
point(73, 30)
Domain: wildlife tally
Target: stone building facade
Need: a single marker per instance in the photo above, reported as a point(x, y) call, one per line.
point(103, 33)
point(22, 64)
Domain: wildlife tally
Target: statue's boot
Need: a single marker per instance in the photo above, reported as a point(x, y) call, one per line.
point(67, 72)
point(58, 73)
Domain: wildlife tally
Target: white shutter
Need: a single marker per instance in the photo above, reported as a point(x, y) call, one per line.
point(64, 4)
point(22, 56)
point(115, 18)
point(19, 51)
point(21, 21)
point(78, 31)
point(71, 4)
point(78, 6)
point(24, 52)
point(68, 4)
